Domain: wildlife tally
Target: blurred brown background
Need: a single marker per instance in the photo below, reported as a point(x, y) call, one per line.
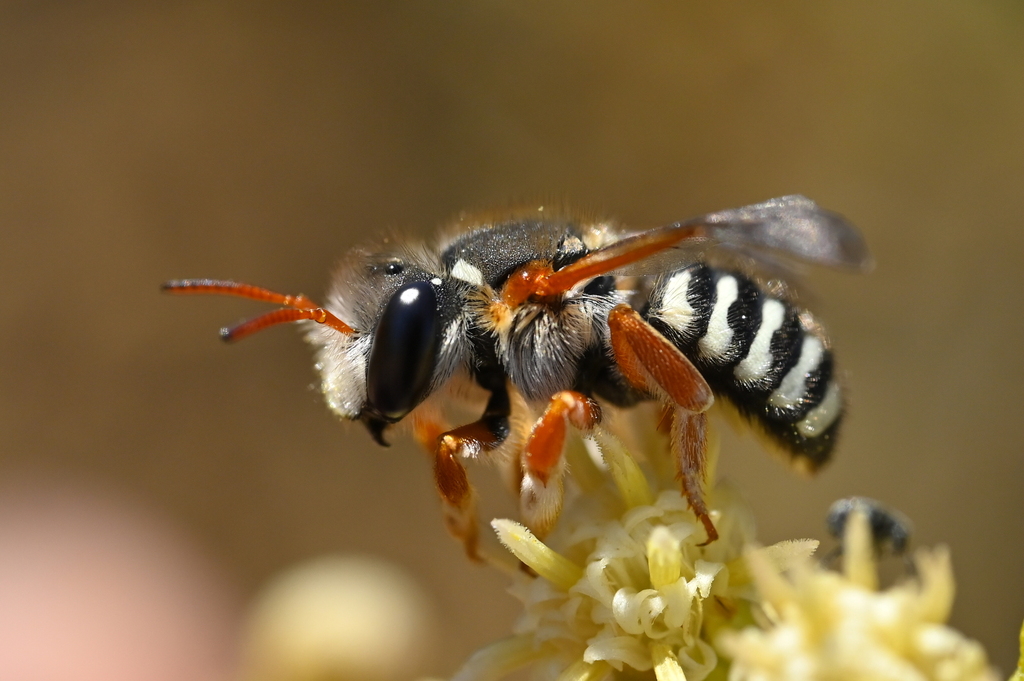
point(260, 141)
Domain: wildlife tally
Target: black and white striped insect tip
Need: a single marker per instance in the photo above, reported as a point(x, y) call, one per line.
point(890, 529)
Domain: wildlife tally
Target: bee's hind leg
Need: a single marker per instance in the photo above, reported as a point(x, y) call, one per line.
point(689, 447)
point(650, 362)
point(541, 489)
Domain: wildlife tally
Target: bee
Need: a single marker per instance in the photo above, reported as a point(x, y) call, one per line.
point(890, 529)
point(564, 314)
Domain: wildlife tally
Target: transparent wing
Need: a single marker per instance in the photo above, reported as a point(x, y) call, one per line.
point(781, 235)
point(792, 225)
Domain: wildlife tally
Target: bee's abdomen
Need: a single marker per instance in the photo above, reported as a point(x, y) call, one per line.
point(759, 352)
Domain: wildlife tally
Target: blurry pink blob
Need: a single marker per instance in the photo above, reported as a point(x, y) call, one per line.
point(92, 588)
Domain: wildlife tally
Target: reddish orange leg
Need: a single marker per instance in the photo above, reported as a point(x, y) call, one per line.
point(541, 490)
point(650, 362)
point(689, 443)
point(458, 498)
point(296, 307)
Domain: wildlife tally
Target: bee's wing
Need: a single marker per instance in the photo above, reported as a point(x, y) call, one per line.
point(785, 277)
point(781, 235)
point(790, 226)
point(793, 226)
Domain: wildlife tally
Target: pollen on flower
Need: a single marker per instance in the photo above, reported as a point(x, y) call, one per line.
point(623, 583)
point(838, 625)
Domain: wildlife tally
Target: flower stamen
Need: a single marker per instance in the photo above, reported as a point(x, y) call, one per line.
point(585, 671)
point(547, 563)
point(666, 666)
point(664, 561)
point(500, 658)
point(629, 479)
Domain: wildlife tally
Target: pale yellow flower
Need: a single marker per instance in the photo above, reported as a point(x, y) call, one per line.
point(1018, 675)
point(343, 618)
point(622, 583)
point(824, 624)
point(623, 587)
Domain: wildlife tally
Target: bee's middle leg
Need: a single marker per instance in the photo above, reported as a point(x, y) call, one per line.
point(541, 490)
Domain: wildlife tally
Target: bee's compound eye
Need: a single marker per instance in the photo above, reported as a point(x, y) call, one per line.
point(404, 351)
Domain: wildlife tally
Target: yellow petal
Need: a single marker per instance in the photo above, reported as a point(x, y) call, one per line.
point(1019, 674)
point(584, 671)
point(666, 666)
point(549, 564)
point(500, 658)
point(628, 478)
point(664, 560)
point(859, 552)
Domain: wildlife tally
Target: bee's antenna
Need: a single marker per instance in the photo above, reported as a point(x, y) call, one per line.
point(283, 316)
point(296, 307)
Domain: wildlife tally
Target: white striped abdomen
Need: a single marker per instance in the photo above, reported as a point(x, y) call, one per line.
point(761, 353)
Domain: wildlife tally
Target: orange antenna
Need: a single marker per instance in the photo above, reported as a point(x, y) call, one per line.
point(296, 308)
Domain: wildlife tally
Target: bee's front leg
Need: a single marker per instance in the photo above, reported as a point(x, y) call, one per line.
point(458, 498)
point(650, 362)
point(541, 490)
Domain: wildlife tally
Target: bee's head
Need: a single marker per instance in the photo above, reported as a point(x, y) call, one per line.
point(396, 356)
point(403, 355)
